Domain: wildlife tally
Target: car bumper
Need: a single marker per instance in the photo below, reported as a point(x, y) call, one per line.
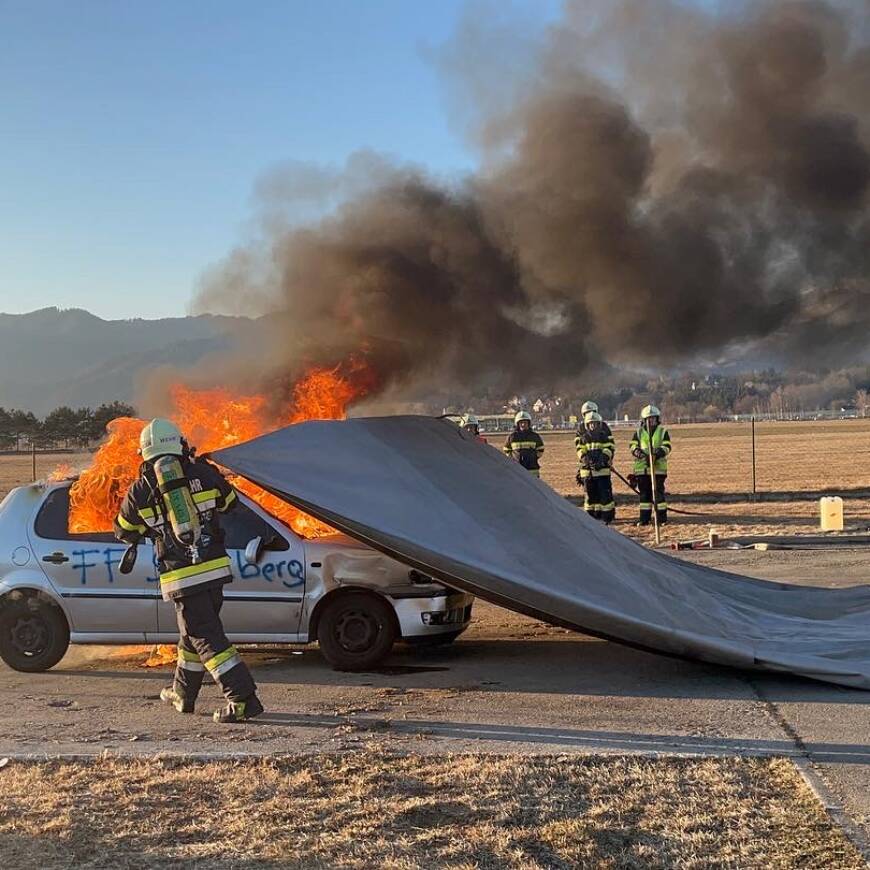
point(427, 617)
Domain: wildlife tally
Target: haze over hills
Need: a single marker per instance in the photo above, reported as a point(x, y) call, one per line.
point(55, 357)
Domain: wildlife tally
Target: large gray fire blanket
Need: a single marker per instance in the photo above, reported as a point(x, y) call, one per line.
point(423, 491)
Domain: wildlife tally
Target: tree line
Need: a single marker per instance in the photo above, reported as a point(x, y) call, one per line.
point(687, 396)
point(64, 427)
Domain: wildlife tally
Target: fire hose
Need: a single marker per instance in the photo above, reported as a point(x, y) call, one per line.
point(670, 509)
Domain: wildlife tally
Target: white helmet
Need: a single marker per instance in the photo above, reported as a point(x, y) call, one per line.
point(587, 407)
point(522, 415)
point(469, 420)
point(593, 417)
point(650, 411)
point(159, 438)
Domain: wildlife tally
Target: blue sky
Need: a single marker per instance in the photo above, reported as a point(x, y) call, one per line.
point(131, 134)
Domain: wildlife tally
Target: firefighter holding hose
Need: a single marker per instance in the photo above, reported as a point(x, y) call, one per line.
point(650, 447)
point(595, 447)
point(177, 502)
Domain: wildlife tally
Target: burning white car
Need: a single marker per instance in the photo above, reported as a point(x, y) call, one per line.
point(58, 587)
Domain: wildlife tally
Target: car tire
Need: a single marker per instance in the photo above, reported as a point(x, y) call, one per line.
point(356, 631)
point(34, 635)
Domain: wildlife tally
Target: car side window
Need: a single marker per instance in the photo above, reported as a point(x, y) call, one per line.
point(241, 525)
point(52, 521)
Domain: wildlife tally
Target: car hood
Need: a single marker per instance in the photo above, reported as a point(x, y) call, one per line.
point(426, 493)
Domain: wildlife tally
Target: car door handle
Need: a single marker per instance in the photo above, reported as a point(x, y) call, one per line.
point(56, 558)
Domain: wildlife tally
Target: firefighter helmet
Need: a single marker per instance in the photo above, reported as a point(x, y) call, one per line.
point(469, 420)
point(520, 416)
point(592, 417)
point(160, 438)
point(650, 411)
point(587, 407)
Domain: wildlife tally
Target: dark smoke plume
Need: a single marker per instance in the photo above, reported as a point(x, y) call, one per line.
point(655, 184)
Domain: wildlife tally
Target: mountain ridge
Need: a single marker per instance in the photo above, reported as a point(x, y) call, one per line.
point(53, 356)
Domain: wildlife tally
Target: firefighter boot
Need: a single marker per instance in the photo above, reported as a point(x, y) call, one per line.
point(239, 711)
point(170, 696)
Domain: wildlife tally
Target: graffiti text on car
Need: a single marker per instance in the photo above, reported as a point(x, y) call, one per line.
point(290, 572)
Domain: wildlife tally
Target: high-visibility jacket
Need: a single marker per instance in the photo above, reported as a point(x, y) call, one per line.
point(599, 438)
point(525, 447)
point(660, 440)
point(143, 514)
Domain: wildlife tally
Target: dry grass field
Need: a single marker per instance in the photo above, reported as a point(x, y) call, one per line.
point(405, 811)
point(17, 469)
point(710, 473)
point(376, 808)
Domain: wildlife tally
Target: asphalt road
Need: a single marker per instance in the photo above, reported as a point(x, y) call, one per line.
point(509, 685)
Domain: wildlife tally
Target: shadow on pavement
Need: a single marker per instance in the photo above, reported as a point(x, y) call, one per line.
point(574, 666)
point(598, 741)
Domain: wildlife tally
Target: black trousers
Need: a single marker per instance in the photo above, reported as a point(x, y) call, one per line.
point(645, 496)
point(598, 501)
point(203, 646)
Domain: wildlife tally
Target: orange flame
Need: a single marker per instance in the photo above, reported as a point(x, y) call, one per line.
point(64, 471)
point(212, 419)
point(161, 654)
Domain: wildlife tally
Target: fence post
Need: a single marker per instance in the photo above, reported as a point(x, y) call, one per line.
point(753, 460)
point(33, 457)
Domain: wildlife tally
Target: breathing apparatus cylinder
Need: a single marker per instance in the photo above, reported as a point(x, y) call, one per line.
point(181, 510)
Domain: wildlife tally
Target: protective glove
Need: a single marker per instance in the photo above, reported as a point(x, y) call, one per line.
point(637, 453)
point(660, 453)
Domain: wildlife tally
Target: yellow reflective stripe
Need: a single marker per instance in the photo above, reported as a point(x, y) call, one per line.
point(223, 662)
point(190, 582)
point(193, 570)
point(189, 661)
point(525, 445)
point(221, 657)
point(146, 512)
point(229, 499)
point(205, 495)
point(130, 527)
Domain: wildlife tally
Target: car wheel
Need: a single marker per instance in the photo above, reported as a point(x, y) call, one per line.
point(34, 636)
point(356, 631)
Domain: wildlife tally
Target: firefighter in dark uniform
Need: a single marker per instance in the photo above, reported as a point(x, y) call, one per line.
point(471, 425)
point(177, 502)
point(651, 438)
point(595, 447)
point(524, 445)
